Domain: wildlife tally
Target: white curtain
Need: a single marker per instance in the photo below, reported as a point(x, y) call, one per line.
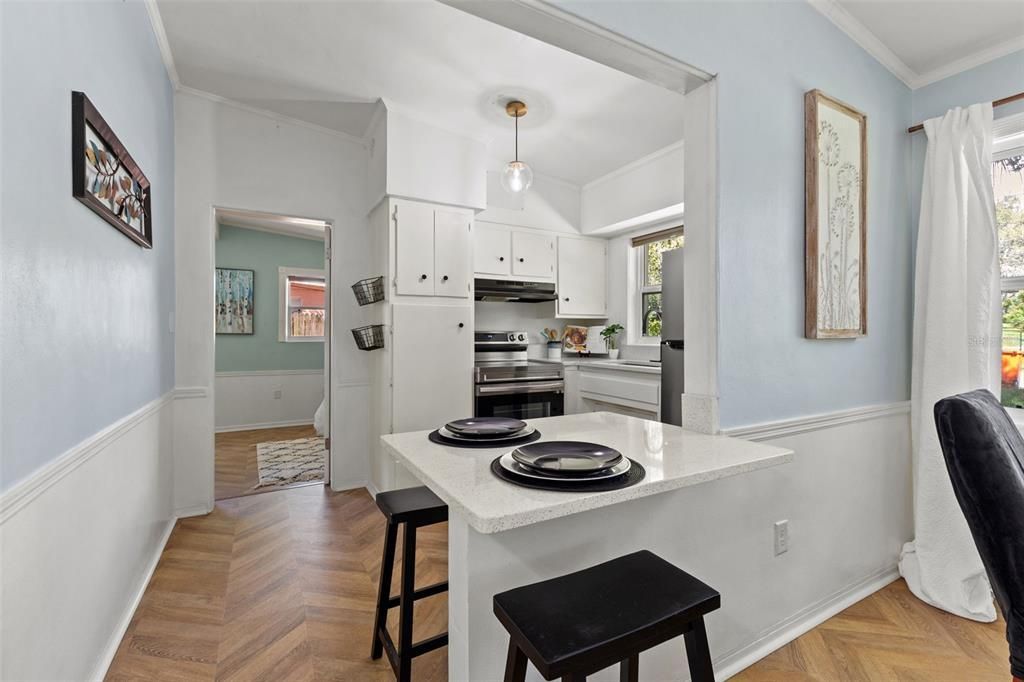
point(957, 342)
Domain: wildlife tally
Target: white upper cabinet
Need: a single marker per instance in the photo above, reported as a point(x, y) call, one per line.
point(492, 250)
point(452, 265)
point(533, 254)
point(582, 277)
point(432, 250)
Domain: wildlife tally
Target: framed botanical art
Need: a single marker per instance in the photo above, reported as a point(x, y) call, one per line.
point(234, 301)
point(104, 175)
point(835, 211)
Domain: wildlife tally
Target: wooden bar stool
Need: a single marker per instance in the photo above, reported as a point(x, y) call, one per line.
point(574, 625)
point(414, 507)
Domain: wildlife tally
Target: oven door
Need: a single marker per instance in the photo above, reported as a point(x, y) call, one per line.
point(521, 399)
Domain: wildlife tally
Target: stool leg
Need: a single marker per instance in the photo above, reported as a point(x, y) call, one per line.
point(574, 677)
point(406, 603)
point(515, 664)
point(629, 669)
point(387, 566)
point(698, 655)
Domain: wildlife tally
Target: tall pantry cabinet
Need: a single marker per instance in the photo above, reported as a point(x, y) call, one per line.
point(424, 375)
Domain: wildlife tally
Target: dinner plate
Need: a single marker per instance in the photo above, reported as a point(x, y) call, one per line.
point(486, 427)
point(512, 466)
point(446, 433)
point(567, 456)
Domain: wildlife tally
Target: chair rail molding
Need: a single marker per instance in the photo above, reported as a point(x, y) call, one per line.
point(817, 422)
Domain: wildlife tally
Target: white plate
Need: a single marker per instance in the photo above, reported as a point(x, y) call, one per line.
point(443, 431)
point(511, 465)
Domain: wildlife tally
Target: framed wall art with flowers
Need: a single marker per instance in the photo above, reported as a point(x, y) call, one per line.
point(835, 173)
point(105, 177)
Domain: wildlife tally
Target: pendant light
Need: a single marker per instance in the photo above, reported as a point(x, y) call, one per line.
point(517, 176)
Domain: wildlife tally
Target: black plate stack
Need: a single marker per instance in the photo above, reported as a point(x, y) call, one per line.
point(485, 432)
point(568, 465)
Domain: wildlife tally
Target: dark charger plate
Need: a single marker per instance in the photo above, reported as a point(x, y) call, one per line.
point(635, 474)
point(485, 427)
point(436, 437)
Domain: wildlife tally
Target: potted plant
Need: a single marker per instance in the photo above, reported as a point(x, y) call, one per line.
point(554, 339)
point(608, 334)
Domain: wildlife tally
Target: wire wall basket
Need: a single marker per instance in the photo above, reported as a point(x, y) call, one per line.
point(369, 291)
point(370, 337)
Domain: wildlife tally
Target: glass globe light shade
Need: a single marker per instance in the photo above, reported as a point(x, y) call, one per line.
point(517, 177)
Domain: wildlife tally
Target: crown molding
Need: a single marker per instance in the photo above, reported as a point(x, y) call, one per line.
point(157, 22)
point(969, 62)
point(267, 113)
point(860, 34)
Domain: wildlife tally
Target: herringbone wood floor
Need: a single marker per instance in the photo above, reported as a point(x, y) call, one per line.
point(281, 586)
point(235, 469)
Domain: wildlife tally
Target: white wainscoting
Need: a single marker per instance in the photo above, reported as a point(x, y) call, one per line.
point(80, 539)
point(245, 400)
point(848, 498)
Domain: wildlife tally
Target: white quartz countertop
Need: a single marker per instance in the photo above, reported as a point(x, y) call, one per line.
point(640, 366)
point(673, 457)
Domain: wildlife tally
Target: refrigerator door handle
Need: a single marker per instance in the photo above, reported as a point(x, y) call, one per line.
point(674, 344)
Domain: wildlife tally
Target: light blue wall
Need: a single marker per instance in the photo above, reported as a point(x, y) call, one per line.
point(991, 81)
point(264, 253)
point(766, 55)
point(85, 337)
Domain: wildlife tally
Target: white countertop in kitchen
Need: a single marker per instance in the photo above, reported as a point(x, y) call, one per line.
point(604, 363)
point(673, 457)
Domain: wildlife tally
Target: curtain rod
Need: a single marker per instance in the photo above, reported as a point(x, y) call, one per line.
point(996, 103)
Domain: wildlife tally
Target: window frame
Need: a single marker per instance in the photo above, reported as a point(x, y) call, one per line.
point(637, 271)
point(642, 288)
point(1007, 285)
point(283, 328)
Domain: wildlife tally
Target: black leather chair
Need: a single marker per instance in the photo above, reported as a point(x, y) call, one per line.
point(984, 454)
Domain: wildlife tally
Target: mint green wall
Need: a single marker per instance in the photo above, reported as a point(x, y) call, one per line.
point(264, 253)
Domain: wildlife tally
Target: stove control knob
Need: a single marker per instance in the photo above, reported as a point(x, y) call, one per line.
point(511, 338)
point(522, 337)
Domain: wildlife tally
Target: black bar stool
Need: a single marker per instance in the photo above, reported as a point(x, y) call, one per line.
point(415, 507)
point(574, 625)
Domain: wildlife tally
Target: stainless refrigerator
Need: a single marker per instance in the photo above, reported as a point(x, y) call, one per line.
point(671, 336)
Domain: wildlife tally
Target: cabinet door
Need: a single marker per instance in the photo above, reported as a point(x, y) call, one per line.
point(533, 254)
point(432, 370)
point(452, 243)
point(491, 250)
point(414, 247)
point(582, 277)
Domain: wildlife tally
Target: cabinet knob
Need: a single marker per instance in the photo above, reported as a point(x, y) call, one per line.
point(422, 277)
point(501, 258)
point(522, 260)
point(445, 278)
point(461, 325)
point(566, 298)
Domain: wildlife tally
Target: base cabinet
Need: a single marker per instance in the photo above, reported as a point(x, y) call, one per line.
point(613, 390)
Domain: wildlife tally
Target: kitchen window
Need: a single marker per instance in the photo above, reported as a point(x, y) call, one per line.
point(649, 249)
point(302, 314)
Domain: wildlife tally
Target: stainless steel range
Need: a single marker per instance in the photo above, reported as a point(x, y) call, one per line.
point(510, 385)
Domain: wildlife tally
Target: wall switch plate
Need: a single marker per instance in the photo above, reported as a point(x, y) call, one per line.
point(277, 394)
point(781, 537)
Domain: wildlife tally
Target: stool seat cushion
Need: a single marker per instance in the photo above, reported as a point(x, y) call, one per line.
point(417, 505)
point(635, 601)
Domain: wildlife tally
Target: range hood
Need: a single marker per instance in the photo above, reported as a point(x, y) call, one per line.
point(517, 292)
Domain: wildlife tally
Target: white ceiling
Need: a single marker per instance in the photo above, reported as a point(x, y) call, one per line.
point(923, 41)
point(328, 62)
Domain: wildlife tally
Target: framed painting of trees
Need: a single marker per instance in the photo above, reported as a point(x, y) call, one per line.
point(104, 175)
point(835, 211)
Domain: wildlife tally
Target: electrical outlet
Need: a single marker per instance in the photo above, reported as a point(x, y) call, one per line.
point(781, 537)
point(277, 394)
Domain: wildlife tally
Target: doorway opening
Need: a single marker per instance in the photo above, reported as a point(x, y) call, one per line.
point(272, 352)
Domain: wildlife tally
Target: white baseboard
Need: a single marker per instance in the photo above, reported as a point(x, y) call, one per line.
point(372, 489)
point(198, 510)
point(129, 612)
point(802, 622)
point(264, 425)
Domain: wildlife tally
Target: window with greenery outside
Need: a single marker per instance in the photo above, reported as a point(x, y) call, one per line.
point(1008, 182)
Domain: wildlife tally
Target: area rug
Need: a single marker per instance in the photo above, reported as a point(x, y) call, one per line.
point(281, 462)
